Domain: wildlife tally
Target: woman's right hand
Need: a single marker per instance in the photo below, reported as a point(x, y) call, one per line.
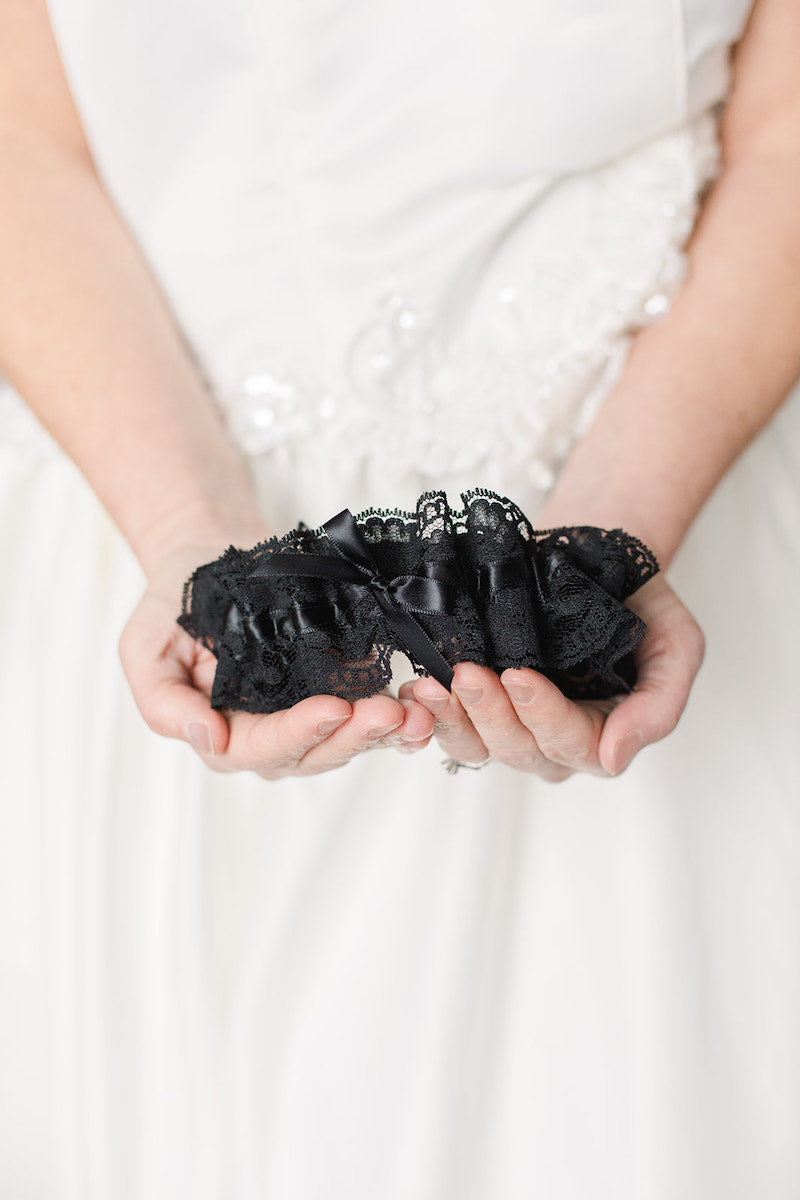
point(171, 674)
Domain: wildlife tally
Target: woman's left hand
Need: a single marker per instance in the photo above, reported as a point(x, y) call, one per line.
point(523, 719)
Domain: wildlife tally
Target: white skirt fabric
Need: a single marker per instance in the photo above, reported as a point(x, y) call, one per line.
point(388, 981)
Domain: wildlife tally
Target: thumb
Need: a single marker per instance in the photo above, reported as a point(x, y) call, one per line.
point(666, 671)
point(159, 670)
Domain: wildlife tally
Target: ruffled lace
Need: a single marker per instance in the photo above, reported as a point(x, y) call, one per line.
point(481, 585)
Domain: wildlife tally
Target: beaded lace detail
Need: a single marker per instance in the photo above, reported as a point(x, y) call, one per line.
point(519, 378)
point(522, 380)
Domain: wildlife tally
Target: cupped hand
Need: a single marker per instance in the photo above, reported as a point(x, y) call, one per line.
point(522, 719)
point(171, 674)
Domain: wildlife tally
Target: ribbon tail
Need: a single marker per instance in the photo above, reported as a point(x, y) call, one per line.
point(346, 536)
point(413, 636)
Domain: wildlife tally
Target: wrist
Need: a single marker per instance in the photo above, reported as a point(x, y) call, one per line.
point(661, 531)
point(197, 523)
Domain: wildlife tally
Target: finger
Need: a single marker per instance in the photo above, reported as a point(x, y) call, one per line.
point(271, 744)
point(417, 724)
point(372, 718)
point(491, 712)
point(566, 732)
point(666, 669)
point(417, 728)
point(452, 728)
point(160, 678)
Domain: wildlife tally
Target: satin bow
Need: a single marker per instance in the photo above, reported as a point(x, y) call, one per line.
point(398, 598)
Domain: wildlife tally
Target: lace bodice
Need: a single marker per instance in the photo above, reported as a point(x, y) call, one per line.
point(519, 376)
point(508, 360)
point(404, 234)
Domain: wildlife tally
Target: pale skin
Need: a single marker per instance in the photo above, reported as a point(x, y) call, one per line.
point(89, 341)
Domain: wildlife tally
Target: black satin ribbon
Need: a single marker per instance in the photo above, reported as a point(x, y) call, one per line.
point(276, 623)
point(511, 572)
point(398, 598)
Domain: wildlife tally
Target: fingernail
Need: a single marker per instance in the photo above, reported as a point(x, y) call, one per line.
point(329, 724)
point(379, 732)
point(626, 748)
point(522, 693)
point(432, 694)
point(199, 737)
point(470, 695)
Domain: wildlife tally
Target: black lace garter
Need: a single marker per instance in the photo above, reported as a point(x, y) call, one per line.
point(320, 611)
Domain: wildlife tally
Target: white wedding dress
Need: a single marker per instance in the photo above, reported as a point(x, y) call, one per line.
point(409, 244)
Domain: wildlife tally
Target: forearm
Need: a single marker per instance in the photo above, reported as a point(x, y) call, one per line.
point(88, 340)
point(701, 383)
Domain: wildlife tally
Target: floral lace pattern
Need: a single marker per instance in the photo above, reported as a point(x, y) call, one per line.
point(297, 616)
point(517, 379)
point(525, 375)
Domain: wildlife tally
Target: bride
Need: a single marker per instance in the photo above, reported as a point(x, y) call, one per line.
point(262, 262)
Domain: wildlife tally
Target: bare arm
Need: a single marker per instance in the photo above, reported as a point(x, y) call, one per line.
point(697, 388)
point(702, 382)
point(85, 334)
point(89, 341)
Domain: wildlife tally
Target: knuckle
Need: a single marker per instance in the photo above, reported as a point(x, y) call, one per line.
point(449, 722)
point(279, 763)
point(284, 762)
point(555, 773)
point(126, 649)
point(692, 643)
point(316, 768)
point(563, 753)
point(217, 764)
point(699, 648)
point(552, 748)
point(270, 774)
point(669, 720)
point(260, 747)
point(583, 758)
point(536, 766)
point(497, 720)
point(455, 742)
point(122, 645)
point(527, 760)
point(153, 712)
point(284, 750)
point(340, 756)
